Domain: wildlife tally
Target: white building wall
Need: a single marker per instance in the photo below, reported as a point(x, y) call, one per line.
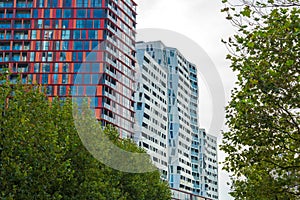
point(209, 165)
point(151, 110)
point(190, 152)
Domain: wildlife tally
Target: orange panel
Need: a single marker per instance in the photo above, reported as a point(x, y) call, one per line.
point(69, 56)
point(99, 90)
point(60, 66)
point(50, 78)
point(100, 34)
point(84, 57)
point(32, 44)
point(59, 78)
point(38, 34)
point(97, 113)
point(54, 90)
point(68, 89)
point(34, 79)
point(101, 68)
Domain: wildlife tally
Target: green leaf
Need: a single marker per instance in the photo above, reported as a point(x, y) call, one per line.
point(246, 12)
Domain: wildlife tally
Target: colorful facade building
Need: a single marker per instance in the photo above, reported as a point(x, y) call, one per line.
point(46, 41)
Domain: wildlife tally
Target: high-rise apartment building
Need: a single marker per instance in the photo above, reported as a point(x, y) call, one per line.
point(180, 132)
point(46, 41)
point(151, 109)
point(209, 165)
point(191, 162)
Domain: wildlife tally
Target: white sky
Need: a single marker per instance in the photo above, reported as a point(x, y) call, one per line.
point(202, 22)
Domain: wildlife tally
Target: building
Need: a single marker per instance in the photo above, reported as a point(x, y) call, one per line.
point(180, 195)
point(209, 165)
point(151, 109)
point(191, 162)
point(46, 41)
point(180, 131)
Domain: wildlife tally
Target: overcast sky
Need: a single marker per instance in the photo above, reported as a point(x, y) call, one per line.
point(202, 22)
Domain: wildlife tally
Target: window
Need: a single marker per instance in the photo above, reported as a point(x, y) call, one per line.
point(67, 3)
point(90, 90)
point(47, 13)
point(63, 90)
point(96, 23)
point(58, 13)
point(89, 23)
point(65, 23)
point(67, 13)
point(76, 34)
point(82, 3)
point(99, 13)
point(139, 106)
point(81, 14)
point(80, 23)
point(83, 34)
point(92, 34)
point(77, 45)
point(64, 78)
point(96, 3)
point(44, 78)
point(146, 116)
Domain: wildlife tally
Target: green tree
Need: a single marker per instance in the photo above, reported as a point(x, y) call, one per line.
point(263, 141)
point(42, 156)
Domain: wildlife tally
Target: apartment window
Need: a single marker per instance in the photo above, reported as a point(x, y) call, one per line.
point(67, 13)
point(90, 90)
point(47, 13)
point(67, 3)
point(82, 3)
point(96, 3)
point(81, 14)
point(99, 13)
point(80, 23)
point(44, 78)
point(145, 145)
point(58, 13)
point(139, 106)
point(93, 34)
point(89, 23)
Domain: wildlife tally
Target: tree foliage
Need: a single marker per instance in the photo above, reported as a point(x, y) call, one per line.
point(247, 14)
point(42, 156)
point(263, 143)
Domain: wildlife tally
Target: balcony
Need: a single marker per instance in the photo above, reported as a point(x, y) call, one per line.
point(111, 74)
point(110, 84)
point(108, 119)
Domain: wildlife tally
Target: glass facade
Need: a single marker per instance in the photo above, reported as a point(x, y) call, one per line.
point(46, 41)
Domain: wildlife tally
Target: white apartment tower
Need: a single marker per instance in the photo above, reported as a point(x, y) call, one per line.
point(167, 105)
point(151, 109)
